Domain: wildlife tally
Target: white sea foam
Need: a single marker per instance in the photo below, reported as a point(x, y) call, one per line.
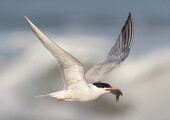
point(35, 60)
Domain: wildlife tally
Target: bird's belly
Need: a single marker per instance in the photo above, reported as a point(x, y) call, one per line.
point(83, 96)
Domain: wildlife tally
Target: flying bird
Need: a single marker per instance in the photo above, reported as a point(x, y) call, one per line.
point(82, 87)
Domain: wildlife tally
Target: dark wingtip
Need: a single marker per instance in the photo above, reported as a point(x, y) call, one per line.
point(130, 17)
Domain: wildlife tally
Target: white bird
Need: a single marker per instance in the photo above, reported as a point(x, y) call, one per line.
point(82, 87)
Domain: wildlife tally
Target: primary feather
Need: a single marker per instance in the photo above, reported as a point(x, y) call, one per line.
point(116, 55)
point(71, 69)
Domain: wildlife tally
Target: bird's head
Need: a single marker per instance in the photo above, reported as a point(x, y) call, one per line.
point(107, 88)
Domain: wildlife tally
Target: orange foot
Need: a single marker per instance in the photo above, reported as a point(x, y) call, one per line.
point(61, 100)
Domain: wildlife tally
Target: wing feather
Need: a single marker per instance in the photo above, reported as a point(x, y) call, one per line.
point(116, 55)
point(71, 69)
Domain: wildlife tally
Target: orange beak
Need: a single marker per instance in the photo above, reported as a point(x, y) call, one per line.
point(112, 89)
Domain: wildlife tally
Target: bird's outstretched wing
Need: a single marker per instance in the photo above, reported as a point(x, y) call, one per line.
point(71, 69)
point(116, 55)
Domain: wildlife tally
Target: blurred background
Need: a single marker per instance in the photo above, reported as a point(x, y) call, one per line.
point(87, 30)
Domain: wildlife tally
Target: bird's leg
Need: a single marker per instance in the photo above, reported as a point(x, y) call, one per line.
point(61, 100)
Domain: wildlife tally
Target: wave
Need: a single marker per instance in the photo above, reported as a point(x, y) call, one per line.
point(35, 61)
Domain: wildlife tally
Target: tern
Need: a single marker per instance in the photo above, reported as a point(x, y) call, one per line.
point(82, 87)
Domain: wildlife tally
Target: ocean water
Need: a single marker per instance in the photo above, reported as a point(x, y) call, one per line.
point(87, 30)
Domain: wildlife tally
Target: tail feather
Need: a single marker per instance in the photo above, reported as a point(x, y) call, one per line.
point(53, 94)
point(46, 95)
